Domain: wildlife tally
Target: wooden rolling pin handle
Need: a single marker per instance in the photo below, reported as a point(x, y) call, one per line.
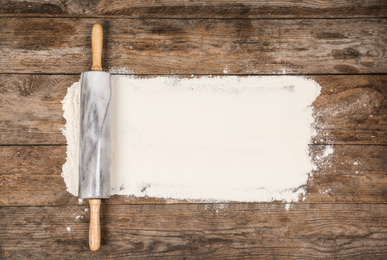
point(96, 45)
point(95, 228)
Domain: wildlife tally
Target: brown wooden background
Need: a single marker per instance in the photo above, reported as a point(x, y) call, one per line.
point(342, 44)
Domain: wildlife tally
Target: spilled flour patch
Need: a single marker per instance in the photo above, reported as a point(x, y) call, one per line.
point(326, 153)
point(121, 70)
point(209, 138)
point(71, 112)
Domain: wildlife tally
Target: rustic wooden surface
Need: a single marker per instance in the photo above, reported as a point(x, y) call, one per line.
point(341, 44)
point(197, 46)
point(205, 231)
point(198, 9)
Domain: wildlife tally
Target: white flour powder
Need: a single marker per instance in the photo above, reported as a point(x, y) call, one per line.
point(209, 138)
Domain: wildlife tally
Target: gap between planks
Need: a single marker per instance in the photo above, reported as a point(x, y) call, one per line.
point(124, 17)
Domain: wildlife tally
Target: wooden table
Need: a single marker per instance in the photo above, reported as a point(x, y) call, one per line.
point(341, 44)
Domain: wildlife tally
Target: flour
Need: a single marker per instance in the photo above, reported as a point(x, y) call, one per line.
point(328, 151)
point(123, 70)
point(287, 206)
point(71, 112)
point(209, 138)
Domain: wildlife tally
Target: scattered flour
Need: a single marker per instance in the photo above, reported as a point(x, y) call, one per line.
point(120, 70)
point(328, 151)
point(208, 138)
point(284, 71)
point(327, 191)
point(68, 229)
point(287, 206)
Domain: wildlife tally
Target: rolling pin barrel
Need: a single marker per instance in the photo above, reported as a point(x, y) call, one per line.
point(94, 150)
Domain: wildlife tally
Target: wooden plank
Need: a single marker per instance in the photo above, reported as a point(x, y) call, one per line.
point(32, 160)
point(196, 46)
point(48, 160)
point(321, 188)
point(31, 109)
point(350, 109)
point(200, 231)
point(199, 9)
point(352, 174)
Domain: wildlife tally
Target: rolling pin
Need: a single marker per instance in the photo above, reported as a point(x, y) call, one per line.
point(94, 145)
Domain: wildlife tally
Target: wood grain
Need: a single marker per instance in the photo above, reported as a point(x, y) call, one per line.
point(196, 46)
point(32, 160)
point(350, 109)
point(198, 9)
point(199, 231)
point(338, 43)
point(95, 225)
point(38, 190)
point(352, 174)
point(96, 47)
